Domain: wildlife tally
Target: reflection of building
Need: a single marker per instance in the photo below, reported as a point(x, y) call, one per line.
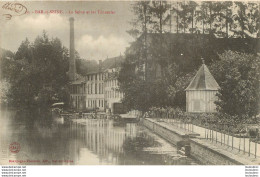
point(101, 138)
point(201, 93)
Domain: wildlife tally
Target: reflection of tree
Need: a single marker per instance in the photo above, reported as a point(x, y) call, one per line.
point(41, 142)
point(135, 154)
point(137, 144)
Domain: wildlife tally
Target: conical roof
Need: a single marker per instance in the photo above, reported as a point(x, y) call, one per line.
point(203, 80)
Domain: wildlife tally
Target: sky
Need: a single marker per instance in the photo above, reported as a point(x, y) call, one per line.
point(97, 36)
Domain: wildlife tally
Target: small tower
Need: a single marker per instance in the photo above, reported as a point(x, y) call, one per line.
point(201, 92)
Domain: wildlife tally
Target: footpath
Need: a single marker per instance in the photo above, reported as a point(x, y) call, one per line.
point(205, 150)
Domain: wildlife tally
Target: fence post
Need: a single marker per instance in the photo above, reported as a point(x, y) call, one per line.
point(244, 145)
point(221, 138)
point(224, 138)
point(216, 137)
point(249, 147)
point(239, 142)
point(210, 134)
point(257, 138)
point(232, 141)
point(228, 138)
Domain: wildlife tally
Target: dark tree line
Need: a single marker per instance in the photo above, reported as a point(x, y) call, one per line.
point(223, 19)
point(36, 73)
point(172, 37)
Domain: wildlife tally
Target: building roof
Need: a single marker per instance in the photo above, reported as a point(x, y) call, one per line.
point(203, 80)
point(107, 64)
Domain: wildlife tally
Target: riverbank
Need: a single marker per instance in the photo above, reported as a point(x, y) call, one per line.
point(202, 149)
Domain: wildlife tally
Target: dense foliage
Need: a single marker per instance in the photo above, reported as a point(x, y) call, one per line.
point(238, 75)
point(159, 64)
point(36, 73)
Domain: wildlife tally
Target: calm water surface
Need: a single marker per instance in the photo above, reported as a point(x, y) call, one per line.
point(88, 142)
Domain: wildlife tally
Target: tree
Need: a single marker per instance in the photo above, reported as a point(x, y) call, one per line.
point(37, 74)
point(246, 19)
point(159, 11)
point(238, 76)
point(142, 19)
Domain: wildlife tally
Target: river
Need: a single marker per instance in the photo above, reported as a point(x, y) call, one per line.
point(88, 142)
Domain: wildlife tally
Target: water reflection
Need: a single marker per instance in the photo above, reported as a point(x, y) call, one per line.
point(84, 142)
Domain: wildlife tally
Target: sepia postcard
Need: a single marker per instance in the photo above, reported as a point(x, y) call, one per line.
point(130, 83)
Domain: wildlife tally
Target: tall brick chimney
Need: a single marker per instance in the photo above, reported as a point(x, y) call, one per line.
point(72, 62)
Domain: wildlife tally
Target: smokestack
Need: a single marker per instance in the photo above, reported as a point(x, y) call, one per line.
point(72, 66)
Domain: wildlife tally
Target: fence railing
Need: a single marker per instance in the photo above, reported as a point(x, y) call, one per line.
point(240, 144)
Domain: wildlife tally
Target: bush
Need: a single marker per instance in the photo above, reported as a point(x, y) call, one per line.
point(216, 121)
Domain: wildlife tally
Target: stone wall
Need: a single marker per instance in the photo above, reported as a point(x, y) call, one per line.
point(209, 156)
point(201, 150)
point(161, 129)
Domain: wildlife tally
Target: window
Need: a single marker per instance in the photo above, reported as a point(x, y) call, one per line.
point(95, 88)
